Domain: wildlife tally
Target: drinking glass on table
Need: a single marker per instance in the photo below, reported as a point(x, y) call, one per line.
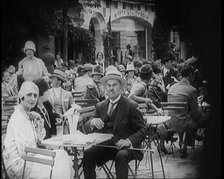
point(59, 127)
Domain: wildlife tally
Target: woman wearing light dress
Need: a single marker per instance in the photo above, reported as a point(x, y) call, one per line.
point(23, 131)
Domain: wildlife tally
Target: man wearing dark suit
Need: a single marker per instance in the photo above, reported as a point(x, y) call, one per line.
point(184, 92)
point(168, 71)
point(124, 121)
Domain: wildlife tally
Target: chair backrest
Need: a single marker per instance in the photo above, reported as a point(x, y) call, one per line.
point(85, 114)
point(78, 95)
point(40, 160)
point(171, 106)
point(142, 107)
point(86, 102)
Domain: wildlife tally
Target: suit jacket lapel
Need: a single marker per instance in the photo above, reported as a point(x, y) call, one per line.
point(104, 108)
point(51, 96)
point(62, 100)
point(120, 113)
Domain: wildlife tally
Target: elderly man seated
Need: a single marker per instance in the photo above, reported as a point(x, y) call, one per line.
point(117, 115)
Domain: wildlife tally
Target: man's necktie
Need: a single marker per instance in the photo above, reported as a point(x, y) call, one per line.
point(111, 109)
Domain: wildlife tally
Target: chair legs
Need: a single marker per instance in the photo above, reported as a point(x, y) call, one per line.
point(161, 160)
point(108, 170)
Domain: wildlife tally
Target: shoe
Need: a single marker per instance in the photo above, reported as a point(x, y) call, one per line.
point(174, 139)
point(198, 137)
point(169, 136)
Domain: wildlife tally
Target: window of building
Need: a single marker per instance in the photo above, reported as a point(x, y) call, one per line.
point(107, 4)
point(139, 7)
point(132, 6)
point(115, 5)
point(146, 8)
point(124, 5)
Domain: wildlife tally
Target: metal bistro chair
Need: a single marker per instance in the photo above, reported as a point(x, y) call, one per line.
point(35, 159)
point(78, 95)
point(175, 106)
point(85, 114)
point(142, 107)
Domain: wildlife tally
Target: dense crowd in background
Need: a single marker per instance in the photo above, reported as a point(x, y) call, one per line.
point(147, 81)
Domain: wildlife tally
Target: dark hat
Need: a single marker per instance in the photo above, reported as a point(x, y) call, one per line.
point(42, 85)
point(145, 71)
point(59, 74)
point(167, 57)
point(156, 68)
point(138, 63)
point(97, 70)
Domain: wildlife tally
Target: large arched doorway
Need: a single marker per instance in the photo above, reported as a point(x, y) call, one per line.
point(96, 26)
point(134, 31)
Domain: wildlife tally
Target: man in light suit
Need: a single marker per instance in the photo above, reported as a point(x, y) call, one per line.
point(184, 92)
point(117, 115)
point(60, 99)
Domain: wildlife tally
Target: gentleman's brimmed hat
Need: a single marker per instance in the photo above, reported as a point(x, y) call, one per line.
point(130, 67)
point(121, 68)
point(138, 63)
point(113, 74)
point(29, 45)
point(97, 70)
point(59, 74)
point(87, 67)
point(145, 71)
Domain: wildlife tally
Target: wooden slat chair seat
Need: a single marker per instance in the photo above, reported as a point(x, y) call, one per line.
point(78, 95)
point(86, 102)
point(40, 160)
point(85, 114)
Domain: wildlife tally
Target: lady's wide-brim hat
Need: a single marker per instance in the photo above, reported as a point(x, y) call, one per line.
point(59, 74)
point(130, 67)
point(87, 67)
point(113, 74)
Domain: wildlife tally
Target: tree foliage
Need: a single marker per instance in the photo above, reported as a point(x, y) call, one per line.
point(83, 41)
point(26, 19)
point(107, 43)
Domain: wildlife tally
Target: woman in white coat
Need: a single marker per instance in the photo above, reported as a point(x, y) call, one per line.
point(23, 132)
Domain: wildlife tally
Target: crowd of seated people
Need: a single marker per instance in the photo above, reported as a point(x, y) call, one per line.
point(149, 82)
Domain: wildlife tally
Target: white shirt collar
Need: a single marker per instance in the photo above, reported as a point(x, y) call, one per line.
point(116, 100)
point(57, 90)
point(165, 70)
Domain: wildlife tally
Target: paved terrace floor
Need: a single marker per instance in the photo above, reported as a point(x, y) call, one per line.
point(175, 167)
